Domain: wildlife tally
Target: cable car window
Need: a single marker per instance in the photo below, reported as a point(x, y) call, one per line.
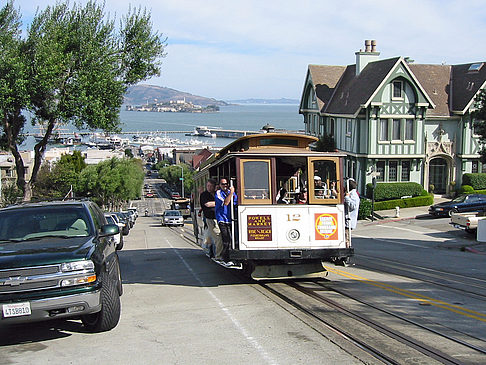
point(256, 181)
point(278, 141)
point(325, 187)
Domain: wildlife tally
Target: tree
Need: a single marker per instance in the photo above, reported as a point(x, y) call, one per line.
point(112, 182)
point(325, 143)
point(479, 117)
point(79, 67)
point(14, 97)
point(54, 182)
point(173, 173)
point(128, 153)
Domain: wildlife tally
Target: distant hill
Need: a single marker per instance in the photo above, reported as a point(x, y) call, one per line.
point(141, 94)
point(266, 101)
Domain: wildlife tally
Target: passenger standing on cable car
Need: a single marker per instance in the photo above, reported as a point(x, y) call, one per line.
point(351, 206)
point(207, 202)
point(224, 215)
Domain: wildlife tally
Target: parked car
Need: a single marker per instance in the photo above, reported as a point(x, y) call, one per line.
point(175, 195)
point(172, 218)
point(126, 223)
point(118, 238)
point(58, 261)
point(463, 203)
point(134, 210)
point(131, 216)
point(150, 195)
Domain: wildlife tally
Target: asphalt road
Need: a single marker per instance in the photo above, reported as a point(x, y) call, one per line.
point(177, 308)
point(180, 308)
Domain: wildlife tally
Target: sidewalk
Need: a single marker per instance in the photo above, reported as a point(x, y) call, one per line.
point(390, 215)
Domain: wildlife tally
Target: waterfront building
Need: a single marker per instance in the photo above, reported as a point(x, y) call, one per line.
point(400, 120)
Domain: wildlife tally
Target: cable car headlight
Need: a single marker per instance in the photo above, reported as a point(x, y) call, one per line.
point(293, 235)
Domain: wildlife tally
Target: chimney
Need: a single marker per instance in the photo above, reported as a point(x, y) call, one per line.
point(369, 55)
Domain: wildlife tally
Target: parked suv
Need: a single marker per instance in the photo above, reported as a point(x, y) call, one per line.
point(58, 260)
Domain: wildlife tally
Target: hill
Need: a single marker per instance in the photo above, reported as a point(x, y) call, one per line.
point(141, 94)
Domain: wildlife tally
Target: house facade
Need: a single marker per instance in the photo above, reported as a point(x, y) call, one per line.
point(397, 120)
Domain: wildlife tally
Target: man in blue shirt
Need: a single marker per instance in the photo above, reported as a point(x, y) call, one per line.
point(223, 212)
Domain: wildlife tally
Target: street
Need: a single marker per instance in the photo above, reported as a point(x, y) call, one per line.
point(179, 307)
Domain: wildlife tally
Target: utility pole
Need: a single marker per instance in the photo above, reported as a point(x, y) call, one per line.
point(182, 181)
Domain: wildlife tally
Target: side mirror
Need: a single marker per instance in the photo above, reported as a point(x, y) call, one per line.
point(109, 230)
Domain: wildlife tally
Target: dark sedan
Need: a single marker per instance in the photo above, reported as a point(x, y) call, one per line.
point(463, 203)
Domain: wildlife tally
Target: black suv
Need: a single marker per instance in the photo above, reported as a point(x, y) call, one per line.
point(57, 260)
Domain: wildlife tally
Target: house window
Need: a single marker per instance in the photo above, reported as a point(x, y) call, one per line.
point(475, 167)
point(397, 90)
point(409, 129)
point(331, 131)
point(383, 129)
point(392, 170)
point(476, 126)
point(380, 169)
point(8, 173)
point(405, 171)
point(348, 127)
point(396, 129)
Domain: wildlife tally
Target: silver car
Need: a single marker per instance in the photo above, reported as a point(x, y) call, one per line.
point(172, 218)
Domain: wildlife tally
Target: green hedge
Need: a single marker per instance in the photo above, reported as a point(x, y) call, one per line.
point(387, 191)
point(477, 181)
point(418, 201)
point(364, 208)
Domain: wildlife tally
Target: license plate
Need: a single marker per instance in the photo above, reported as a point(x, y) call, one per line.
point(16, 310)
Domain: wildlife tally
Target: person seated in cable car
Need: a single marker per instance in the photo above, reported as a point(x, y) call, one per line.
point(319, 187)
point(282, 196)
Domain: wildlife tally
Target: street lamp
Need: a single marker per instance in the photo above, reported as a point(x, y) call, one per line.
point(182, 180)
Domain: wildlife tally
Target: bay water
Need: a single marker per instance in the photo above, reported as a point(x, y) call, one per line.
point(249, 117)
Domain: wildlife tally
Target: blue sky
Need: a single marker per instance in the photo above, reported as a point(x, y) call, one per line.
point(253, 48)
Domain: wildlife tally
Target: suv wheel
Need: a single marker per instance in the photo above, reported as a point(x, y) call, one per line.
point(109, 315)
point(120, 245)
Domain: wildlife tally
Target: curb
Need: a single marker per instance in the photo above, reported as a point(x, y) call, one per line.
point(387, 220)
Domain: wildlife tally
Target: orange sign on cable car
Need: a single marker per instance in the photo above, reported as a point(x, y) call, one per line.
point(326, 226)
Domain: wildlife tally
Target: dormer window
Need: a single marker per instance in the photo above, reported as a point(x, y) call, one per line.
point(397, 91)
point(475, 67)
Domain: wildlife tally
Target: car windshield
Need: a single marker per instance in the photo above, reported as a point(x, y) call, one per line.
point(172, 213)
point(459, 199)
point(31, 223)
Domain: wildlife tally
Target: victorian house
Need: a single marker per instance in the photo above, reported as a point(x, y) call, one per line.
point(397, 120)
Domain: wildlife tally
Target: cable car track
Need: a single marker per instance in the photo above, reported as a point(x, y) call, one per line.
point(354, 335)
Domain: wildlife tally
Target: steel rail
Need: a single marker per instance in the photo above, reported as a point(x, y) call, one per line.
point(408, 341)
point(344, 334)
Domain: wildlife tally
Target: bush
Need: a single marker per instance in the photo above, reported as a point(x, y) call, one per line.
point(364, 208)
point(387, 191)
point(466, 189)
point(477, 180)
point(418, 201)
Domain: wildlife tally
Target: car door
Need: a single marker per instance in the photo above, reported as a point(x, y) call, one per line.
point(471, 203)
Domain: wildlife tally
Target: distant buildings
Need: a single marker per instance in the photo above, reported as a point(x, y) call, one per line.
point(403, 121)
point(173, 106)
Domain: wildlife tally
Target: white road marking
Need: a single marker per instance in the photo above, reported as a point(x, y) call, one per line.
point(227, 311)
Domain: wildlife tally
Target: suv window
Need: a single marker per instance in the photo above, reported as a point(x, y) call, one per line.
point(37, 222)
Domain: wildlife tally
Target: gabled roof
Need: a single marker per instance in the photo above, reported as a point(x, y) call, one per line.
point(435, 80)
point(353, 91)
point(448, 89)
point(324, 79)
point(465, 85)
